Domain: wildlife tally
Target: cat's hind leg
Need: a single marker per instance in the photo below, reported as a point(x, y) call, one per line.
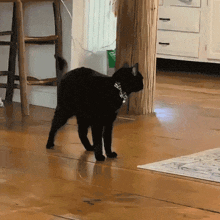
point(60, 118)
point(83, 131)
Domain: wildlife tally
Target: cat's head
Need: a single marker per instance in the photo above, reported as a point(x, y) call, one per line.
point(130, 78)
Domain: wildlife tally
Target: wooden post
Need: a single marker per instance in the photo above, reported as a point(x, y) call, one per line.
point(136, 42)
point(21, 57)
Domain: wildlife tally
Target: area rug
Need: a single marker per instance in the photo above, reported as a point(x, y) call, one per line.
point(203, 165)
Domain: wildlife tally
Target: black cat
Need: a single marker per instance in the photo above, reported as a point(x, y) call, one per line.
point(94, 99)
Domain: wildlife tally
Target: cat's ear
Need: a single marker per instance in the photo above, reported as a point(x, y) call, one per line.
point(126, 65)
point(135, 69)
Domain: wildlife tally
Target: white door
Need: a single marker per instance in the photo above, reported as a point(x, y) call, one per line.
point(214, 30)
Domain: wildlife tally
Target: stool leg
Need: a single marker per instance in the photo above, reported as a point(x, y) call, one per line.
point(58, 32)
point(12, 59)
point(21, 57)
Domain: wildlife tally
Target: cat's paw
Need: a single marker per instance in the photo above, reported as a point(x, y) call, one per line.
point(100, 157)
point(112, 155)
point(50, 145)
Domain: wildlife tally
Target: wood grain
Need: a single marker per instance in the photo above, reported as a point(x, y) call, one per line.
point(136, 43)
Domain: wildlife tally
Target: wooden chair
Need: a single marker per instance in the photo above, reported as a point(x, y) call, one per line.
point(17, 43)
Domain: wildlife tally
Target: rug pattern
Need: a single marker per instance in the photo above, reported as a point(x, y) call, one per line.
point(203, 165)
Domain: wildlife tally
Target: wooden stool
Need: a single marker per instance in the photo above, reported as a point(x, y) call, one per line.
point(18, 41)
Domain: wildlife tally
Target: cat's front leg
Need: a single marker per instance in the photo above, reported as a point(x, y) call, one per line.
point(97, 142)
point(107, 135)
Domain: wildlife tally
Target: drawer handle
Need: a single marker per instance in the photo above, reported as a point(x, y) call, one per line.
point(164, 19)
point(161, 43)
point(186, 1)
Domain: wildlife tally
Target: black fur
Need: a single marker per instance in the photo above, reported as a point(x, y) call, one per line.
point(94, 100)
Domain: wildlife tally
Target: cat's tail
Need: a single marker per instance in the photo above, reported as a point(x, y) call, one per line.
point(62, 64)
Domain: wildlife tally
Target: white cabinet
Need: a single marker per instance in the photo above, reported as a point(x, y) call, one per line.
point(189, 30)
point(179, 19)
point(185, 3)
point(214, 30)
point(180, 44)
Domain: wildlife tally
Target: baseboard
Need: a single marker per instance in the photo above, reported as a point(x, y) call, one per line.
point(38, 95)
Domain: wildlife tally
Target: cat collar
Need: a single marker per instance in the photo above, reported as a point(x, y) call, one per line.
point(122, 94)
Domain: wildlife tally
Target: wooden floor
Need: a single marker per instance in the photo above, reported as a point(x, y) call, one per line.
point(67, 183)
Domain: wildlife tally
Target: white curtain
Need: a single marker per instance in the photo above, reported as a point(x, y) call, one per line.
point(101, 25)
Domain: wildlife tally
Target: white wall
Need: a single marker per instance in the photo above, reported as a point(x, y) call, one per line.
point(38, 21)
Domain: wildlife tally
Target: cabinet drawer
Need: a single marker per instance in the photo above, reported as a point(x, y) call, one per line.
point(178, 43)
point(179, 19)
point(185, 3)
